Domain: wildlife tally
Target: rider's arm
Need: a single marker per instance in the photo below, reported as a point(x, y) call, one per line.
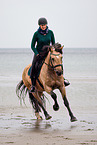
point(34, 40)
point(52, 38)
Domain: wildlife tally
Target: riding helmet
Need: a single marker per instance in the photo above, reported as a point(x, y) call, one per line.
point(42, 21)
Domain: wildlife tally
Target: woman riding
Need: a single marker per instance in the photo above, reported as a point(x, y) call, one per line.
point(42, 37)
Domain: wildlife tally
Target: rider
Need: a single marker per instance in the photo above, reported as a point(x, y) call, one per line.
point(43, 36)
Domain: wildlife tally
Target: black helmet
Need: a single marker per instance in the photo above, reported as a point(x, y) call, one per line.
point(42, 21)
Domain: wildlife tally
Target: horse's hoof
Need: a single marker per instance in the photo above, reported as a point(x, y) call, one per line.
point(48, 117)
point(73, 119)
point(56, 107)
point(39, 118)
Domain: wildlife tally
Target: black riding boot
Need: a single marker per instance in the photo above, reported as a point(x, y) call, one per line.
point(33, 74)
point(36, 66)
point(66, 82)
point(33, 80)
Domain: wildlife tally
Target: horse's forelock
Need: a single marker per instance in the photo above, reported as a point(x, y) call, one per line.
point(57, 47)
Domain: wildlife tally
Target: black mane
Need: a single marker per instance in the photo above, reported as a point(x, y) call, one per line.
point(57, 47)
point(46, 49)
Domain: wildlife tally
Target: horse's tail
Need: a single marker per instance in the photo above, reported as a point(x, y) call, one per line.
point(21, 91)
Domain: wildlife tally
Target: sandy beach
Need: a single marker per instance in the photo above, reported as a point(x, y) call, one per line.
point(19, 128)
point(18, 124)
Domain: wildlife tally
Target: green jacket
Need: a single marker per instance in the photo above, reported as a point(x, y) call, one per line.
point(41, 40)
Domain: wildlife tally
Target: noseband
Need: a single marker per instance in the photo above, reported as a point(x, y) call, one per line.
point(52, 66)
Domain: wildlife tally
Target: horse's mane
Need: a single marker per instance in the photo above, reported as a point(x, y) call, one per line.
point(47, 48)
point(57, 47)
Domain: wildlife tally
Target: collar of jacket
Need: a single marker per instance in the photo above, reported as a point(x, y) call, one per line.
point(43, 31)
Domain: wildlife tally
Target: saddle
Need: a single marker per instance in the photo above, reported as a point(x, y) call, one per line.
point(29, 71)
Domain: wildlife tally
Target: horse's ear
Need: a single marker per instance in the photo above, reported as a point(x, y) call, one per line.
point(61, 47)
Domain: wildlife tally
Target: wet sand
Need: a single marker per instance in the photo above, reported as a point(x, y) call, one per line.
point(18, 124)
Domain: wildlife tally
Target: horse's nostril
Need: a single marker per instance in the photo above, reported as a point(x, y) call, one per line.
point(58, 73)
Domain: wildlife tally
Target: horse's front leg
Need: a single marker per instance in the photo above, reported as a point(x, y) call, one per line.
point(54, 96)
point(48, 89)
point(66, 103)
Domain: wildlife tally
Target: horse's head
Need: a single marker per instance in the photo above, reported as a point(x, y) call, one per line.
point(55, 61)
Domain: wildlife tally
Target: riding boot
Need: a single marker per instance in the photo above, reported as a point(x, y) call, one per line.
point(33, 80)
point(66, 82)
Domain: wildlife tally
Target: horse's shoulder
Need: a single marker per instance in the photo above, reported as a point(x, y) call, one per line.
point(27, 67)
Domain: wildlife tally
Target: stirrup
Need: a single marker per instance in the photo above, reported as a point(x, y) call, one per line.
point(66, 83)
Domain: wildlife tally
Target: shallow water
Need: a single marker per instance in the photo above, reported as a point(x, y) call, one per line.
point(80, 68)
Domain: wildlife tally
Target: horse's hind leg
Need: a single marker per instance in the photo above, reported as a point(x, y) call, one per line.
point(35, 105)
point(54, 96)
point(47, 116)
point(40, 104)
point(62, 90)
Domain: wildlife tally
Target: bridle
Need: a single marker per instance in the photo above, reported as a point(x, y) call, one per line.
point(52, 66)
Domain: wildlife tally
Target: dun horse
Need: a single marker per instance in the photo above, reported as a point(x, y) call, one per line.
point(50, 78)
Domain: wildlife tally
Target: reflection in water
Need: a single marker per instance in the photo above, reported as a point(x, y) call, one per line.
point(52, 125)
point(73, 126)
point(40, 125)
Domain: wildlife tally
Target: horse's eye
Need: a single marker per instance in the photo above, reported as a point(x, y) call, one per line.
point(52, 59)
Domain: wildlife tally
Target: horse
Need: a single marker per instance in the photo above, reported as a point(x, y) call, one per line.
point(49, 79)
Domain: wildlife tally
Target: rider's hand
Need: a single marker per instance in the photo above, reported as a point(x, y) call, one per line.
point(37, 55)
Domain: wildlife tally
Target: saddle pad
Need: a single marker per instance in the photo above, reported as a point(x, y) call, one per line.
point(29, 71)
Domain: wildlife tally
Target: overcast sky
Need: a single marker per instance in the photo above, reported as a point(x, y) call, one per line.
point(74, 22)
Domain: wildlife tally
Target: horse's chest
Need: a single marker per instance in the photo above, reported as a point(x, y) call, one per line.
point(55, 84)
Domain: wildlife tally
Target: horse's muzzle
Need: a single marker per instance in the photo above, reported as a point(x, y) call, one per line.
point(59, 73)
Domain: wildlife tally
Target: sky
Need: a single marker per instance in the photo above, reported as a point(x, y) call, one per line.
point(74, 22)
